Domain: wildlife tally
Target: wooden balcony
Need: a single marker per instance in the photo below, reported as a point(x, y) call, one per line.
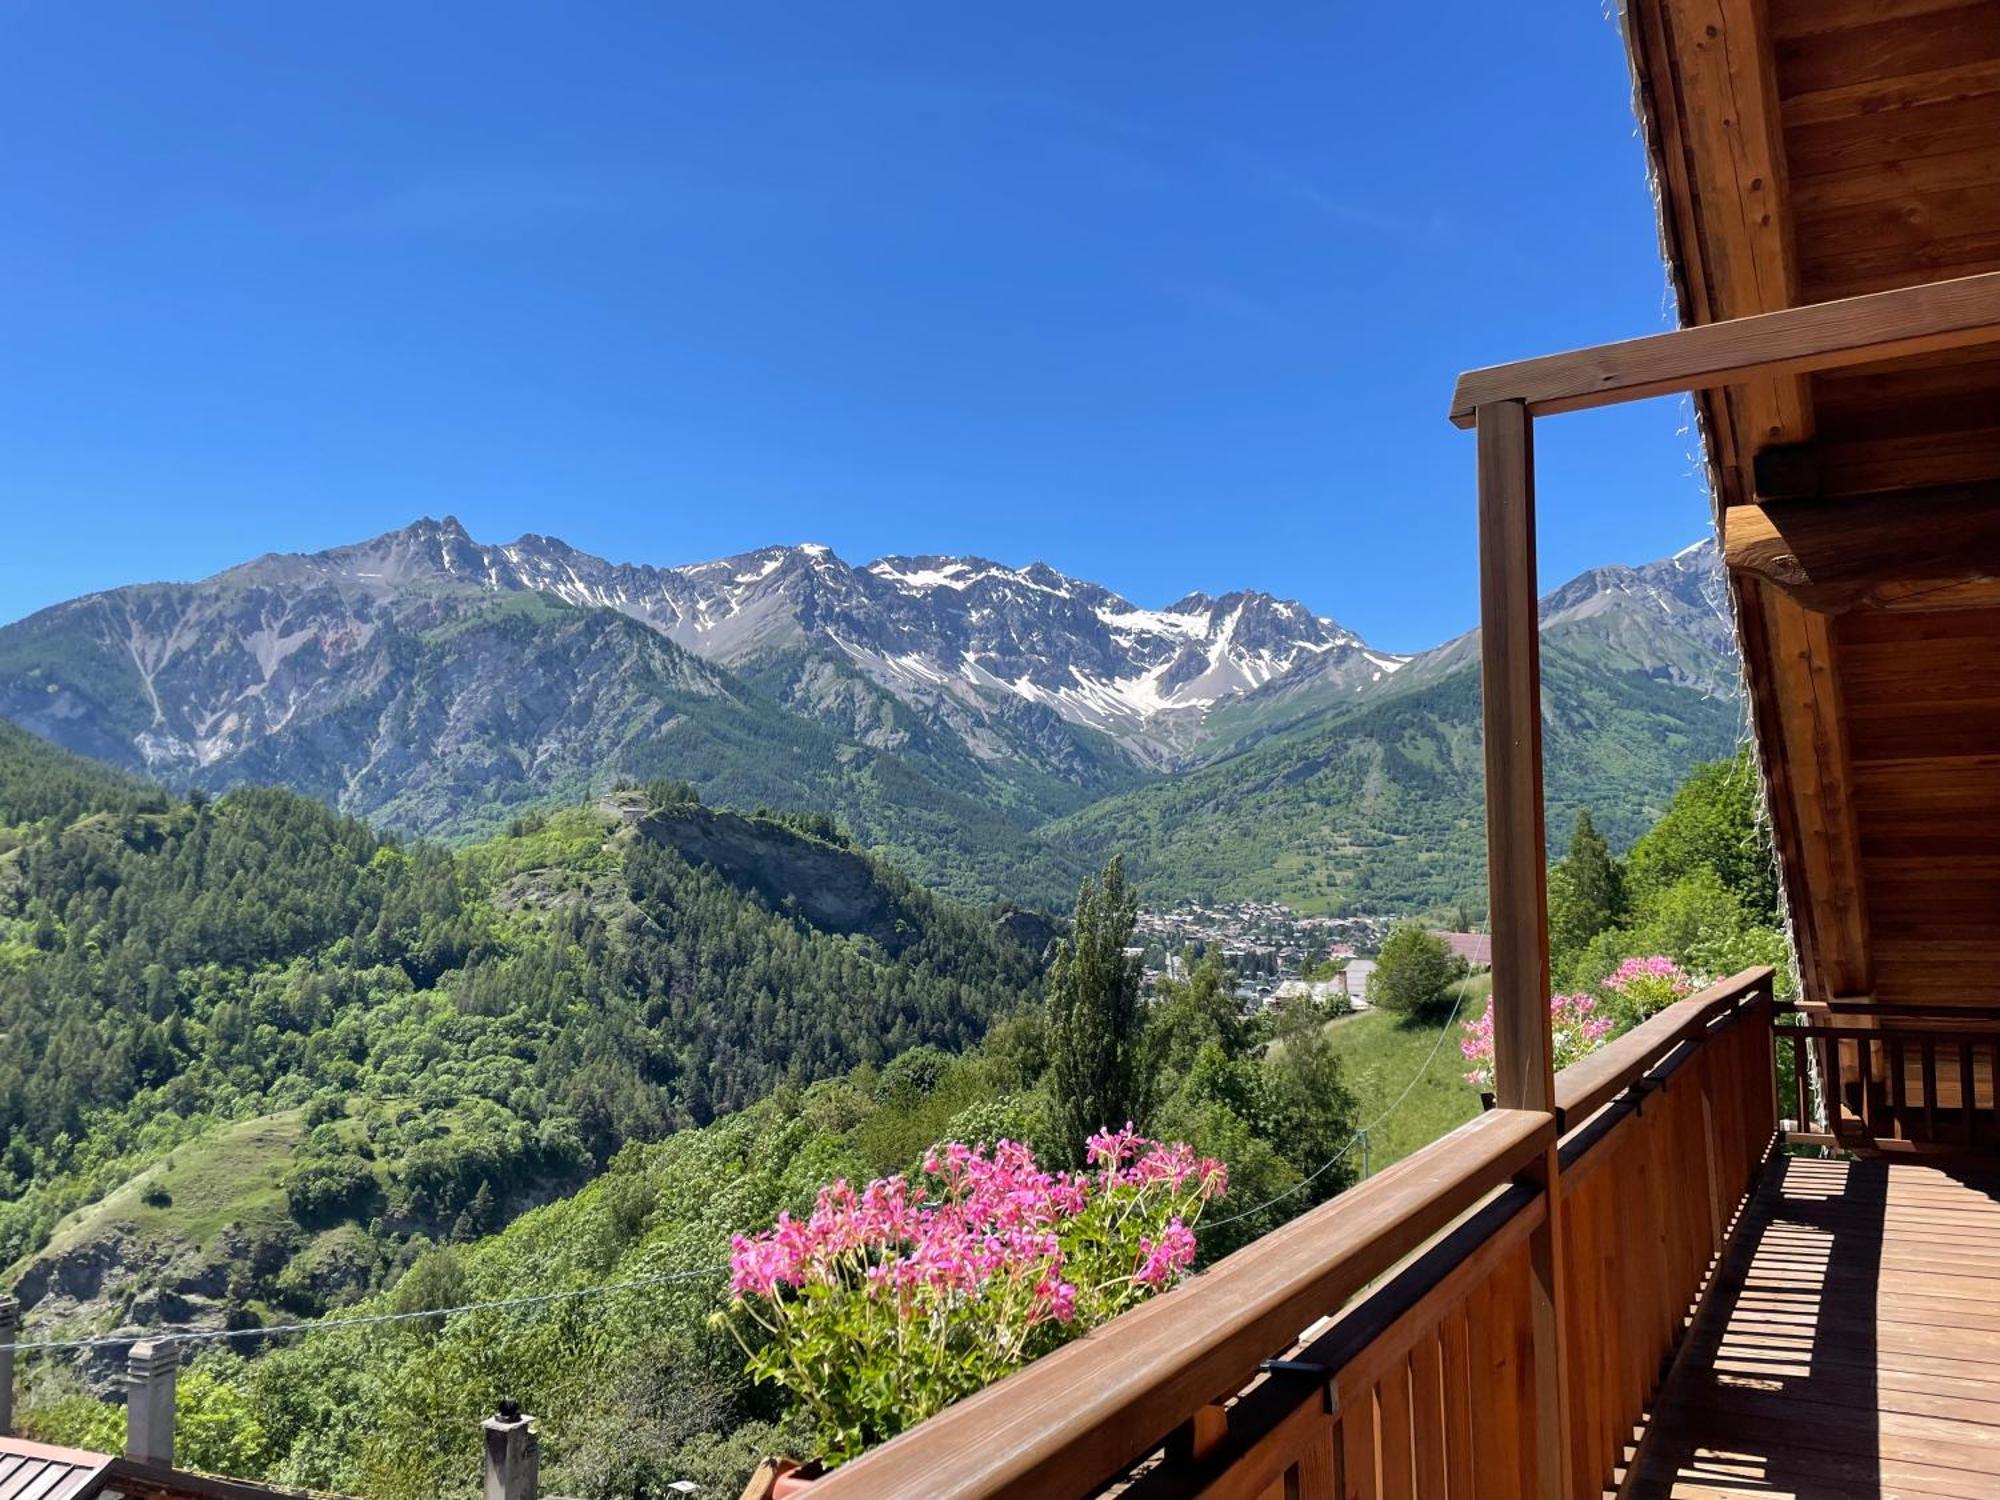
point(1393, 1342)
point(1617, 1281)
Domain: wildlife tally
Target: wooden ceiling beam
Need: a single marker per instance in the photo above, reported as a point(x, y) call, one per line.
point(1729, 94)
point(1909, 320)
point(1834, 555)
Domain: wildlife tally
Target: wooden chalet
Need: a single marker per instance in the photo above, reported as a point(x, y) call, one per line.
point(1624, 1279)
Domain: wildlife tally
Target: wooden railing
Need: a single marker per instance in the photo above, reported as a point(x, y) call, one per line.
point(1279, 1372)
point(1897, 1080)
point(1651, 1183)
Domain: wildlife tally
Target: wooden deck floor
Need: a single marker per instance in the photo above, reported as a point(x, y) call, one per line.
point(1852, 1347)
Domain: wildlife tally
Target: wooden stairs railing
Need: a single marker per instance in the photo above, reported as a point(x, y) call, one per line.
point(1389, 1344)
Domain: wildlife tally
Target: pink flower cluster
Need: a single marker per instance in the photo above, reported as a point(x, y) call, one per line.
point(1166, 1257)
point(1475, 1045)
point(1574, 1024)
point(993, 1219)
point(1648, 973)
point(1577, 1027)
point(1152, 1163)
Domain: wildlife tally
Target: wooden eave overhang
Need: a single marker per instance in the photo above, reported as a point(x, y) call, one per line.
point(1806, 152)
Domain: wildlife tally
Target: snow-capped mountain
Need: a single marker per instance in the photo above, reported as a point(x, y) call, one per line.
point(961, 637)
point(944, 708)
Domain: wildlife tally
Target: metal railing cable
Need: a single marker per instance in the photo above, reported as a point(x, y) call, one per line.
point(321, 1325)
point(1359, 1135)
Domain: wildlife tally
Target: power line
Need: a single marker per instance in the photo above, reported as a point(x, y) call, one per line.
point(319, 1325)
point(1374, 1124)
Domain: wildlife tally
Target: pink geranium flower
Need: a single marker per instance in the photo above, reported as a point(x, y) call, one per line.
point(885, 1303)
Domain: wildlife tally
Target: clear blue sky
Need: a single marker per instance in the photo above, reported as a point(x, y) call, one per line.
point(1169, 295)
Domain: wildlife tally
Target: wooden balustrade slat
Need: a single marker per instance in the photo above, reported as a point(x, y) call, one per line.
point(1803, 1117)
point(1461, 1463)
point(1360, 1452)
point(1395, 1447)
point(1427, 1419)
point(1965, 1092)
point(1928, 1047)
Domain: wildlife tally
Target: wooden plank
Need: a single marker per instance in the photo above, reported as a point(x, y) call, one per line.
point(1868, 184)
point(1810, 735)
point(1517, 875)
point(1888, 48)
point(1957, 314)
point(1082, 1414)
point(1880, 98)
point(1794, 19)
point(1516, 841)
point(1834, 554)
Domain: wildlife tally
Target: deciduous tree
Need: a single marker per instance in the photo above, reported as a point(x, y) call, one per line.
point(1095, 1074)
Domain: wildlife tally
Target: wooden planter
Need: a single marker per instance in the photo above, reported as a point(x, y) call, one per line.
point(781, 1479)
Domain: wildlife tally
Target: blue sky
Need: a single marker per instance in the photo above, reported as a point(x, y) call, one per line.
point(1168, 295)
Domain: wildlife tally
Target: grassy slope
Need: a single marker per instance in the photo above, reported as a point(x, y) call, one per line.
point(1379, 1055)
point(228, 1177)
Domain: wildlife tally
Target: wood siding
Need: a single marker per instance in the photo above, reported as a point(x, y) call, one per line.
point(1810, 151)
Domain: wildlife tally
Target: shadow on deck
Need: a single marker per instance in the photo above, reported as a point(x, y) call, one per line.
point(1852, 1347)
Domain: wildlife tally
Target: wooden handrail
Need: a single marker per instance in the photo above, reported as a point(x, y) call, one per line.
point(1875, 1010)
point(1795, 340)
point(1083, 1414)
point(1972, 1030)
point(1587, 1086)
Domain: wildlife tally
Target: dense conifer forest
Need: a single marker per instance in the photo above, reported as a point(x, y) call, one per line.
point(463, 1032)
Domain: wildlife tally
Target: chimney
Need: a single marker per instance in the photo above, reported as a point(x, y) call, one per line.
point(10, 1329)
point(512, 1464)
point(149, 1401)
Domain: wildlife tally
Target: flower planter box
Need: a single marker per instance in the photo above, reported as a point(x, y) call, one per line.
point(781, 1479)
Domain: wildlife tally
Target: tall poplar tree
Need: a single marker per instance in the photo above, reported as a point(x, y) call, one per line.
point(1095, 1018)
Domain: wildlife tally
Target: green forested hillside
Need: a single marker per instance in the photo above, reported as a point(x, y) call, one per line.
point(637, 1387)
point(42, 786)
point(439, 1038)
point(1376, 806)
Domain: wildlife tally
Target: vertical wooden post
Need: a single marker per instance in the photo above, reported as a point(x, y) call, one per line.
point(1511, 695)
point(1517, 876)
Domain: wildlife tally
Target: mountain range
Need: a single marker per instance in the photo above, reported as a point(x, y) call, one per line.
point(994, 728)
